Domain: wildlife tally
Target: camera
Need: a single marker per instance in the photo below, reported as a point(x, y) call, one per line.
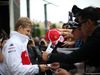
point(42, 43)
point(30, 42)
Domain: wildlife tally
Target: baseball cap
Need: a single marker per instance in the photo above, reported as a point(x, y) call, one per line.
point(53, 36)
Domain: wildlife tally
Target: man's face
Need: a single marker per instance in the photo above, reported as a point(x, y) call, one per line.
point(77, 33)
point(25, 31)
point(84, 26)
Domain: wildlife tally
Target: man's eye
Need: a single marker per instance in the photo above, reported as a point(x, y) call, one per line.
point(28, 30)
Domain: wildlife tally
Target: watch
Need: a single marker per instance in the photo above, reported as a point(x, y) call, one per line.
point(49, 55)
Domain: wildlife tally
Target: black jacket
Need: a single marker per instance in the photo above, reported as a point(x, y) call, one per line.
point(89, 51)
point(34, 53)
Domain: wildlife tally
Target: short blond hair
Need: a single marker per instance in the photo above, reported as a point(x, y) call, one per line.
point(24, 21)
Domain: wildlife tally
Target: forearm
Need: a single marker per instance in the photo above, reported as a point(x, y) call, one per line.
point(1, 57)
point(25, 69)
point(67, 66)
point(61, 57)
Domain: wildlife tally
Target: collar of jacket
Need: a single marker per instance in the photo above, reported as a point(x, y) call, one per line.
point(23, 38)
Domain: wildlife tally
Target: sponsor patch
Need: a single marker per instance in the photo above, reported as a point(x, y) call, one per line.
point(11, 51)
point(25, 58)
point(11, 48)
point(11, 44)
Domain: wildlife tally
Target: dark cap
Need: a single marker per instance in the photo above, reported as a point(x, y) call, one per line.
point(74, 24)
point(75, 10)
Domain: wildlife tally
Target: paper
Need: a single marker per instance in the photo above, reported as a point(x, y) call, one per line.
point(66, 50)
point(48, 64)
point(48, 48)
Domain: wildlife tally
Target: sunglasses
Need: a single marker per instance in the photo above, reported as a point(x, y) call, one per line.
point(82, 23)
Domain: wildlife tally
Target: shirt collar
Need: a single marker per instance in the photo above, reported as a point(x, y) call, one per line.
point(22, 37)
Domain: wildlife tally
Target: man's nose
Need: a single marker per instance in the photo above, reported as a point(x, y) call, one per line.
point(28, 33)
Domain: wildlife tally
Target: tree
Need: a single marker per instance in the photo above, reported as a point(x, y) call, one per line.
point(36, 31)
point(54, 25)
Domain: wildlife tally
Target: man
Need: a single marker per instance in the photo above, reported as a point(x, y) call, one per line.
point(79, 36)
point(89, 20)
point(16, 58)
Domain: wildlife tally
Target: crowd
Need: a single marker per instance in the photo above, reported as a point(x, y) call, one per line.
point(88, 53)
point(22, 55)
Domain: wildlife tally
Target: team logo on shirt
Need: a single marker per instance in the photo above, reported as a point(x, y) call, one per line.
point(11, 44)
point(11, 48)
point(25, 58)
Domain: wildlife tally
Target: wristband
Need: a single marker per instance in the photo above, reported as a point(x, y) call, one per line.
point(39, 69)
point(49, 56)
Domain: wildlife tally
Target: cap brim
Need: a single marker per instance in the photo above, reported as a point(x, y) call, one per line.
point(72, 27)
point(61, 39)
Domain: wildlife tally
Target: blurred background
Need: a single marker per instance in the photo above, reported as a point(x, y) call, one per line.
point(43, 13)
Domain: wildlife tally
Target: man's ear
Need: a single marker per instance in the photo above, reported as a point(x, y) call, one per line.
point(89, 22)
point(20, 27)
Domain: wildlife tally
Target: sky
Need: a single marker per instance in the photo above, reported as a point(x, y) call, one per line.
point(56, 11)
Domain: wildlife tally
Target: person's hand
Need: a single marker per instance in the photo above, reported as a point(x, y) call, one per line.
point(69, 43)
point(44, 68)
point(1, 57)
point(33, 43)
point(65, 30)
point(55, 65)
point(62, 72)
point(44, 55)
point(67, 33)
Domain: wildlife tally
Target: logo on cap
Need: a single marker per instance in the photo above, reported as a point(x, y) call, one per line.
point(53, 36)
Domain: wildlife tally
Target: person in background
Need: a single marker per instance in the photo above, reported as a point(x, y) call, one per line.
point(2, 69)
point(50, 25)
point(42, 47)
point(34, 53)
point(15, 54)
point(43, 44)
point(70, 38)
point(64, 26)
point(36, 40)
point(1, 35)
